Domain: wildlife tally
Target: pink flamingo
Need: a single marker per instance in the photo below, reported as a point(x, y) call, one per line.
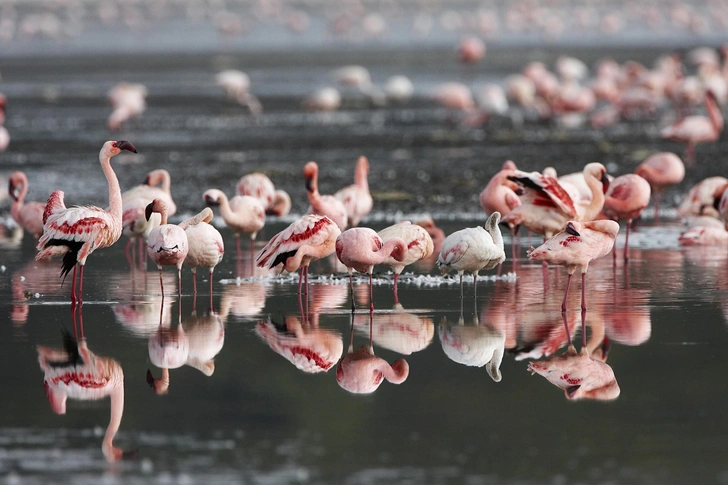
point(361, 372)
point(575, 246)
point(356, 198)
point(361, 248)
point(128, 100)
point(502, 195)
point(661, 170)
point(471, 50)
point(29, 215)
point(704, 236)
point(697, 129)
point(547, 205)
point(237, 86)
point(257, 185)
point(76, 232)
point(455, 96)
point(281, 204)
point(325, 205)
point(205, 245)
point(700, 196)
point(309, 238)
point(242, 214)
point(135, 200)
point(626, 198)
point(473, 249)
point(419, 246)
point(167, 244)
point(77, 373)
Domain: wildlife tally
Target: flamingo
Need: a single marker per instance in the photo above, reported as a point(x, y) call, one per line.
point(309, 238)
point(626, 198)
point(697, 129)
point(502, 195)
point(281, 204)
point(575, 246)
point(474, 345)
point(167, 244)
point(700, 196)
point(237, 85)
point(473, 249)
point(471, 50)
point(128, 101)
point(77, 373)
point(325, 205)
point(361, 372)
point(547, 205)
point(76, 232)
point(324, 99)
point(29, 215)
point(661, 170)
point(257, 185)
point(243, 214)
point(398, 89)
point(135, 200)
point(704, 236)
point(361, 248)
point(419, 246)
point(205, 245)
point(356, 198)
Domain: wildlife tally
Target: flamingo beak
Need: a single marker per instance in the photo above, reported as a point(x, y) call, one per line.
point(605, 182)
point(309, 184)
point(125, 145)
point(150, 379)
point(211, 201)
point(148, 210)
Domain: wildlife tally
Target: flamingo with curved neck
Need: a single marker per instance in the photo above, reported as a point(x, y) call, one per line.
point(325, 205)
point(361, 248)
point(76, 232)
point(205, 245)
point(29, 215)
point(167, 244)
point(356, 198)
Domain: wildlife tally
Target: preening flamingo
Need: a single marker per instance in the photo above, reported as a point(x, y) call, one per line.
point(28, 215)
point(626, 198)
point(243, 214)
point(574, 247)
point(167, 244)
point(237, 86)
point(356, 198)
point(76, 232)
point(257, 185)
point(700, 196)
point(361, 372)
point(281, 204)
point(547, 205)
point(474, 345)
point(661, 170)
point(697, 129)
point(77, 373)
point(419, 246)
point(473, 249)
point(502, 195)
point(325, 205)
point(134, 202)
point(704, 236)
point(361, 248)
point(205, 245)
point(309, 238)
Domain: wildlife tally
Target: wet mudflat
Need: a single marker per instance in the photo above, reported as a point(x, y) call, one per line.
point(257, 418)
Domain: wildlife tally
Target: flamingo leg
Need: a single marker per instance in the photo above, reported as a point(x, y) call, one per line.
point(179, 283)
point(80, 285)
point(461, 287)
point(371, 296)
point(194, 281)
point(73, 287)
point(396, 297)
point(583, 327)
point(161, 283)
point(211, 307)
point(626, 241)
point(73, 317)
point(305, 274)
point(142, 256)
point(351, 292)
point(475, 285)
point(371, 329)
point(566, 327)
point(583, 292)
point(129, 255)
point(566, 294)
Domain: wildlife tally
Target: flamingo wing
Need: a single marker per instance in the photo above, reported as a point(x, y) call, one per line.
point(544, 190)
point(311, 230)
point(55, 203)
point(80, 224)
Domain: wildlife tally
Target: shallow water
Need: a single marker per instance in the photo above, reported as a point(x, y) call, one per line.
point(257, 418)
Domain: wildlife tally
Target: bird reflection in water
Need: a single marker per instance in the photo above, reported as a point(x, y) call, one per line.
point(169, 348)
point(242, 300)
point(475, 345)
point(399, 330)
point(361, 372)
point(577, 373)
point(77, 373)
point(35, 277)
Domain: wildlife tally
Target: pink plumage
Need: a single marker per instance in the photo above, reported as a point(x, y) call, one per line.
point(356, 198)
point(325, 205)
point(29, 215)
point(205, 245)
point(167, 244)
point(627, 197)
point(419, 246)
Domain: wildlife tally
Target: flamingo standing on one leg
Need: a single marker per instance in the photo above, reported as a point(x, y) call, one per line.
point(419, 246)
point(697, 129)
point(167, 244)
point(280, 206)
point(473, 249)
point(701, 196)
point(243, 214)
point(134, 202)
point(309, 238)
point(576, 246)
point(257, 185)
point(205, 245)
point(29, 215)
point(356, 198)
point(661, 170)
point(76, 232)
point(627, 197)
point(361, 248)
point(325, 205)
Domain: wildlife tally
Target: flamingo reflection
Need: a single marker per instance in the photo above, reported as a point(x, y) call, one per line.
point(169, 348)
point(400, 331)
point(243, 300)
point(77, 373)
point(361, 372)
point(473, 345)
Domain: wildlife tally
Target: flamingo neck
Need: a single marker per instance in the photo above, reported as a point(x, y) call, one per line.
point(716, 118)
point(117, 410)
point(597, 202)
point(496, 235)
point(389, 247)
point(361, 175)
point(225, 210)
point(166, 181)
point(114, 188)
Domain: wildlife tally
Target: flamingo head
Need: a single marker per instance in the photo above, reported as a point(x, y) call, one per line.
point(310, 171)
point(157, 205)
point(16, 182)
point(118, 146)
point(212, 197)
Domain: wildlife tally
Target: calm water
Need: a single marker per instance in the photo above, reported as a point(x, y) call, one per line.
point(257, 418)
